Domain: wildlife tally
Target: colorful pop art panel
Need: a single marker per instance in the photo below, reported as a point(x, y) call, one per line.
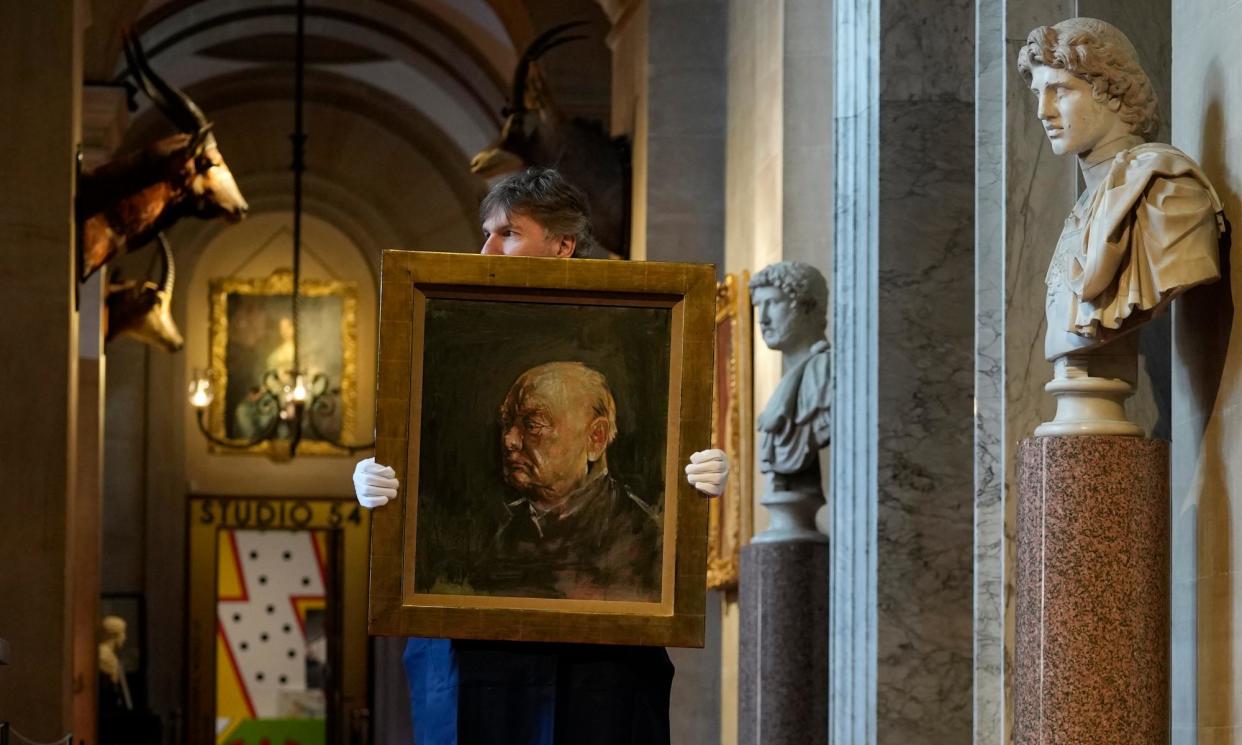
point(270, 640)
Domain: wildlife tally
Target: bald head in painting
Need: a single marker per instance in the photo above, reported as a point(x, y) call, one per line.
point(557, 423)
point(573, 530)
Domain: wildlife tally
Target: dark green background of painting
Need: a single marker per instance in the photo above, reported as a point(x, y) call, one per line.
point(475, 349)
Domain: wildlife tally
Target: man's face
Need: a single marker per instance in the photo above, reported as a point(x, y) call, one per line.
point(515, 234)
point(778, 316)
point(1074, 121)
point(549, 437)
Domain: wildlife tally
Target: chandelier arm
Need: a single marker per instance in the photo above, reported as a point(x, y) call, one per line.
point(263, 436)
point(334, 442)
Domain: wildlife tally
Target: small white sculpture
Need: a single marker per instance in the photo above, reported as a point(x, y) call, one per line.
point(110, 666)
point(1146, 228)
point(791, 301)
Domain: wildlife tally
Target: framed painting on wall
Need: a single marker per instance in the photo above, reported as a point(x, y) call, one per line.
point(731, 522)
point(251, 349)
point(538, 413)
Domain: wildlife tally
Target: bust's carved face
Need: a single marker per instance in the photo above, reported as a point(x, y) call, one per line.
point(779, 318)
point(1074, 121)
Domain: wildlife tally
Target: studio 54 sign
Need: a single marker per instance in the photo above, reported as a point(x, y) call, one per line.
point(277, 514)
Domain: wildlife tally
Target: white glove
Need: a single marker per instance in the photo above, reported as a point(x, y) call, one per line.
point(374, 484)
point(708, 471)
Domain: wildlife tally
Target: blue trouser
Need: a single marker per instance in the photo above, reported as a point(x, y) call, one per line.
point(512, 693)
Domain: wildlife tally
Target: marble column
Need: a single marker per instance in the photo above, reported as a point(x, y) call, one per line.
point(901, 459)
point(40, 79)
point(852, 604)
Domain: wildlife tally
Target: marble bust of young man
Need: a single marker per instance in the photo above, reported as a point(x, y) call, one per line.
point(1146, 228)
point(791, 301)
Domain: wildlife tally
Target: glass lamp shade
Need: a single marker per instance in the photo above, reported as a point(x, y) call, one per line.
point(201, 390)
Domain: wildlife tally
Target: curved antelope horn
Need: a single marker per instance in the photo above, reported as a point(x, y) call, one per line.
point(536, 49)
point(168, 271)
point(174, 104)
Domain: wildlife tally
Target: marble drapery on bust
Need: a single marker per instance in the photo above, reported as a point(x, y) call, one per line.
point(1147, 227)
point(1147, 233)
point(794, 426)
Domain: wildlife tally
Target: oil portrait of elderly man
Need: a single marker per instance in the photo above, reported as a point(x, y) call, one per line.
point(542, 472)
point(573, 529)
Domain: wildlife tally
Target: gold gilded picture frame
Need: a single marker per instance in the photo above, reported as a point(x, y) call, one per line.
point(731, 520)
point(258, 309)
point(460, 337)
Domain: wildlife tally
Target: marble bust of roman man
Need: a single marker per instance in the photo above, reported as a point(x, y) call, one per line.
point(791, 302)
point(1146, 228)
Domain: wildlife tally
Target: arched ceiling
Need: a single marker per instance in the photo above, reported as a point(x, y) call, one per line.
point(400, 94)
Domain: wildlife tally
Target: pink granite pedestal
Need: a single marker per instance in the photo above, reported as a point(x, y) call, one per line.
point(1091, 662)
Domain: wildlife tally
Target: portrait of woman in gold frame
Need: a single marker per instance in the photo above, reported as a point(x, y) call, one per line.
point(572, 313)
point(731, 521)
point(251, 330)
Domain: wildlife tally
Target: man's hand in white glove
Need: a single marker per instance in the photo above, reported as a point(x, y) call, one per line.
point(708, 471)
point(374, 484)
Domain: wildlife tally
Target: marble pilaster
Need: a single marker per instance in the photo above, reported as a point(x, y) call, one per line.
point(855, 318)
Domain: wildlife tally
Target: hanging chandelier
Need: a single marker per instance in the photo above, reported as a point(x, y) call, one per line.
point(291, 407)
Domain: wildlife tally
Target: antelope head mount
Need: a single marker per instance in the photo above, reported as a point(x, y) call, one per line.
point(124, 203)
point(142, 309)
point(516, 147)
point(581, 150)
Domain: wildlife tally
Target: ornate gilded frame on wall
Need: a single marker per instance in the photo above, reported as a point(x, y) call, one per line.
point(543, 297)
point(206, 517)
point(731, 522)
point(280, 284)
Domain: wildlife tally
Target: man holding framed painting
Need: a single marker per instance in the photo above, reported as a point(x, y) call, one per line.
point(537, 414)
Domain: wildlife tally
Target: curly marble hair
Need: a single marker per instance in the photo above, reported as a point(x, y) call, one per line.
point(801, 282)
point(1100, 54)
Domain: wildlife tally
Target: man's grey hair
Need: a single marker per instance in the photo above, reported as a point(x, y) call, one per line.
point(543, 195)
point(801, 282)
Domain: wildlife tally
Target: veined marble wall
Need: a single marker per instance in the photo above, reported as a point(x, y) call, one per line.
point(1022, 195)
point(925, 330)
point(902, 453)
point(1207, 394)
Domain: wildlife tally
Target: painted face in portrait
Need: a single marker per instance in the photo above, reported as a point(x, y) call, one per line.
point(1075, 122)
point(778, 316)
point(515, 234)
point(550, 433)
